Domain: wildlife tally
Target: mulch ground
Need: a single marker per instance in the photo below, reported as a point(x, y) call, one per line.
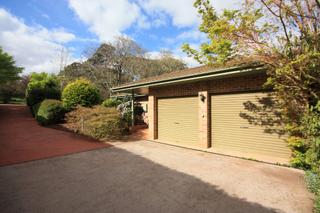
point(22, 139)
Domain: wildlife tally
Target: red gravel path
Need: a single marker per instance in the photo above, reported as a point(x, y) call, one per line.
point(22, 139)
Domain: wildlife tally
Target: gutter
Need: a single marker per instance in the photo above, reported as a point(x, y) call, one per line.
point(201, 76)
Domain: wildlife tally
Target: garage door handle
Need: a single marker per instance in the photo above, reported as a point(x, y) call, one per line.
point(244, 127)
point(176, 123)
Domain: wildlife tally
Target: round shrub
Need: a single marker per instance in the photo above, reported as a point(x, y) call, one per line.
point(80, 92)
point(42, 86)
point(50, 112)
point(111, 102)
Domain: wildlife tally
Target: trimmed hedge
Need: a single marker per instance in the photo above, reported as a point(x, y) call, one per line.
point(80, 92)
point(49, 111)
point(98, 122)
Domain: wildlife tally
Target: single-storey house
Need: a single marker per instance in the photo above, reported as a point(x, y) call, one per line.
point(214, 109)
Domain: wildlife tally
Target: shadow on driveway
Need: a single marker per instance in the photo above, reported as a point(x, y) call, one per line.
point(110, 180)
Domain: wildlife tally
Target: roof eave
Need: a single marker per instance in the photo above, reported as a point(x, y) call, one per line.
point(195, 77)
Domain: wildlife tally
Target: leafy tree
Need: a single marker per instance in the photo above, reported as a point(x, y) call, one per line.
point(15, 88)
point(8, 70)
point(42, 86)
point(285, 36)
point(119, 62)
point(117, 56)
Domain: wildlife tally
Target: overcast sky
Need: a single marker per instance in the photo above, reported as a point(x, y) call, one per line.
point(36, 31)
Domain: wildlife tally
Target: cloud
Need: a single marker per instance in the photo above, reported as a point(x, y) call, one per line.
point(182, 12)
point(193, 34)
point(178, 54)
point(33, 47)
point(107, 18)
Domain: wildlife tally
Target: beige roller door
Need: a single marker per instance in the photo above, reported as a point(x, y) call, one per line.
point(178, 121)
point(232, 131)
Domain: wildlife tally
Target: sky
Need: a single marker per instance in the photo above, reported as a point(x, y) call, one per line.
point(38, 32)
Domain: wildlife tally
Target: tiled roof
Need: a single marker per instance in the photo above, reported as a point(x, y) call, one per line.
point(190, 72)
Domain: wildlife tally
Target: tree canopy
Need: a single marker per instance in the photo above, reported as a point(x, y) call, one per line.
point(122, 61)
point(8, 70)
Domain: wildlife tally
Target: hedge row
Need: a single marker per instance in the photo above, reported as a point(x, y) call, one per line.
point(98, 122)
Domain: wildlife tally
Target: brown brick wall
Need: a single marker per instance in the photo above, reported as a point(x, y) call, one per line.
point(237, 84)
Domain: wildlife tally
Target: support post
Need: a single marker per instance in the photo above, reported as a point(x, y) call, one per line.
point(204, 119)
point(132, 108)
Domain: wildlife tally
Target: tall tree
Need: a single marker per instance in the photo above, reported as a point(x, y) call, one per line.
point(8, 70)
point(122, 61)
point(117, 56)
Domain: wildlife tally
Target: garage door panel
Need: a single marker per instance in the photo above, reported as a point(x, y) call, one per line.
point(178, 120)
point(231, 131)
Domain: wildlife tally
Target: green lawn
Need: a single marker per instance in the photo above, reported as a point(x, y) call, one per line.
point(16, 100)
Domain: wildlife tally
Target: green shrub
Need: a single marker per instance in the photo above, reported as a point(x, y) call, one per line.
point(98, 122)
point(42, 86)
point(110, 128)
point(313, 182)
point(35, 108)
point(49, 111)
point(80, 92)
point(111, 102)
point(317, 204)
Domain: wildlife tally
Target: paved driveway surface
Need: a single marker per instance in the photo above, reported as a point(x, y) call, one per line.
point(22, 139)
point(150, 177)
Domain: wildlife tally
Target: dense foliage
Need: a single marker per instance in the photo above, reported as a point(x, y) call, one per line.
point(98, 122)
point(42, 86)
point(49, 111)
point(80, 92)
point(115, 63)
point(10, 81)
point(313, 183)
point(14, 90)
point(111, 102)
point(8, 70)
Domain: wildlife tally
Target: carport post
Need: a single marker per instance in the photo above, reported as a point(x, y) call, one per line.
point(132, 108)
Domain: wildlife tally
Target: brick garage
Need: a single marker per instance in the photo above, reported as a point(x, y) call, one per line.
point(229, 88)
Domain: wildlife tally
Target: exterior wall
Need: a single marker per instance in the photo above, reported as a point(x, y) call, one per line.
point(152, 117)
point(205, 88)
point(237, 84)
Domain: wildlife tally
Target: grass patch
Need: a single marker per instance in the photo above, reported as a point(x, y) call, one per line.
point(15, 100)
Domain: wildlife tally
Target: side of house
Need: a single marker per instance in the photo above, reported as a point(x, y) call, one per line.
point(225, 111)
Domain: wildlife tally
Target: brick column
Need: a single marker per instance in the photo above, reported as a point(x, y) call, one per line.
point(203, 119)
point(152, 117)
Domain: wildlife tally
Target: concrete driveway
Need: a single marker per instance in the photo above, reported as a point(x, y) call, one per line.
point(150, 177)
